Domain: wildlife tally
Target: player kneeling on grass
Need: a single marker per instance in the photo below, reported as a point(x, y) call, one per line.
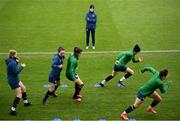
point(72, 75)
point(120, 65)
point(148, 89)
point(54, 76)
point(13, 72)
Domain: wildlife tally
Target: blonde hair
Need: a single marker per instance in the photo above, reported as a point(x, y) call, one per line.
point(12, 53)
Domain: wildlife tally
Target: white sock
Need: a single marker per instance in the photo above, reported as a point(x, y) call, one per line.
point(103, 81)
point(122, 79)
point(25, 101)
point(13, 108)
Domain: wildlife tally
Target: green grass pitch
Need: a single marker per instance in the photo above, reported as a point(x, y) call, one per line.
point(44, 25)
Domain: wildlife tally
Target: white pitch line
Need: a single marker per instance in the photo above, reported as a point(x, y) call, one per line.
point(95, 52)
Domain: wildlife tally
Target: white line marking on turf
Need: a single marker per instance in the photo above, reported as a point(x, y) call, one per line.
point(96, 52)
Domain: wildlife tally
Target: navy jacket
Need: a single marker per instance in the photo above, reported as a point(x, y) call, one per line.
point(91, 19)
point(55, 71)
point(13, 71)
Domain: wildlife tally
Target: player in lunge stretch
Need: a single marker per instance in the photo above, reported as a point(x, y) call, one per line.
point(149, 90)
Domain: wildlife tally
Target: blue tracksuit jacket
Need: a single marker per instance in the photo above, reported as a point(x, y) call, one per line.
point(13, 72)
point(91, 19)
point(54, 74)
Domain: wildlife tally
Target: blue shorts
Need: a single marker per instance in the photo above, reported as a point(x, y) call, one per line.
point(119, 68)
point(53, 80)
point(14, 85)
point(140, 96)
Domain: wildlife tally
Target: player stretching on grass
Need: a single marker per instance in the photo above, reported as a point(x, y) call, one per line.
point(54, 76)
point(120, 65)
point(13, 72)
point(148, 89)
point(72, 75)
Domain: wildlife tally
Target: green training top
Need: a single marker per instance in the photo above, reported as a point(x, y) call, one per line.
point(155, 82)
point(72, 66)
point(124, 57)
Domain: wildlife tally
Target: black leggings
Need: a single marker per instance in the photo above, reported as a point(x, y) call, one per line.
point(92, 35)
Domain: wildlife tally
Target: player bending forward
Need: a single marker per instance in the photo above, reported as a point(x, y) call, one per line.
point(148, 90)
point(120, 65)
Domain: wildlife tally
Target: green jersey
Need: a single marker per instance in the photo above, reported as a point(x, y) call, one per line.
point(154, 83)
point(71, 67)
point(124, 57)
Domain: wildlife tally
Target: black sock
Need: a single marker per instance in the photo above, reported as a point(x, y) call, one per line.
point(47, 95)
point(127, 75)
point(55, 88)
point(81, 86)
point(78, 88)
point(109, 78)
point(130, 109)
point(16, 101)
point(154, 103)
point(24, 96)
